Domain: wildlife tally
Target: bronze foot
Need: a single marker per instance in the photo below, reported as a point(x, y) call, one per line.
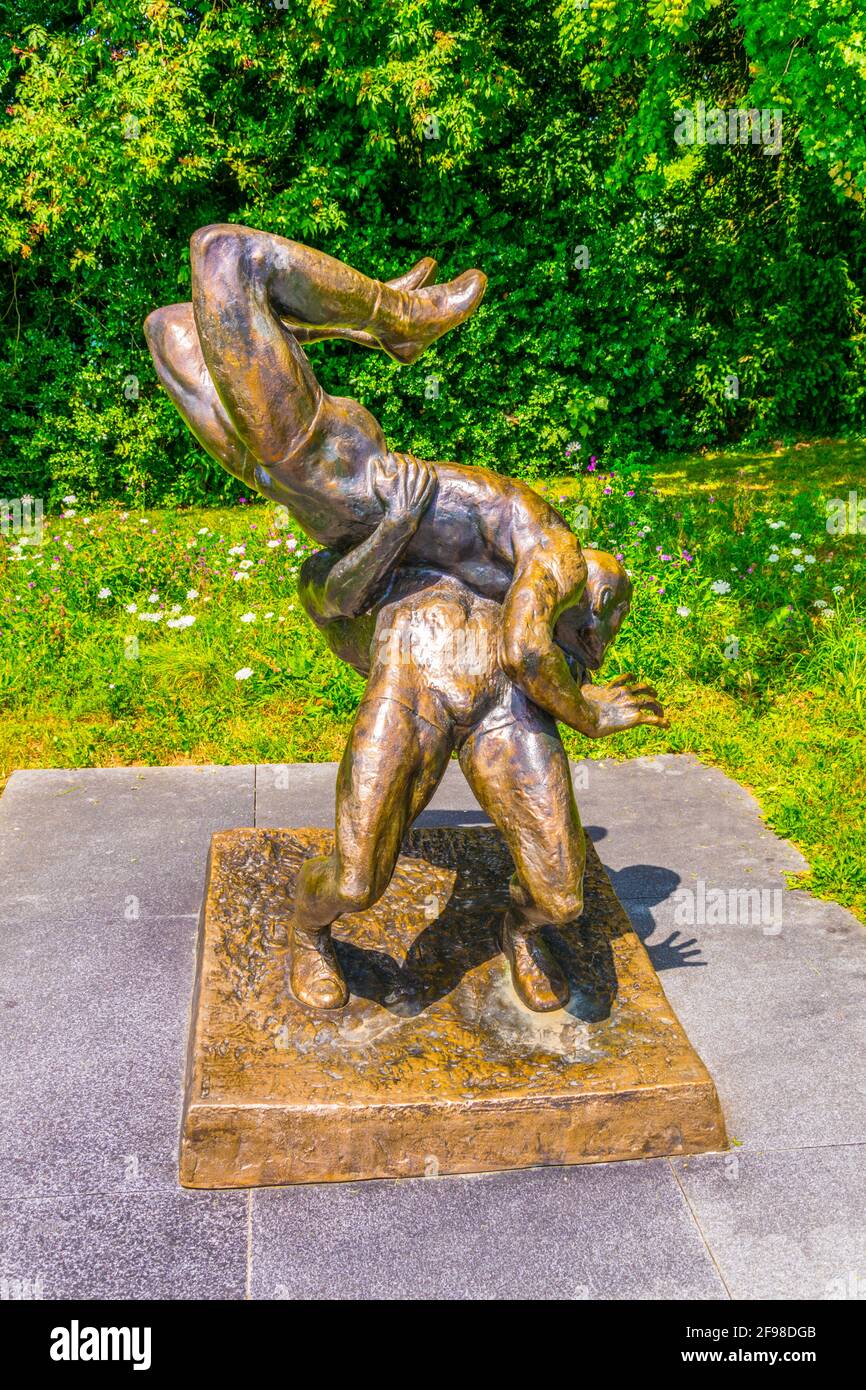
point(421, 274)
point(537, 978)
point(429, 312)
point(315, 975)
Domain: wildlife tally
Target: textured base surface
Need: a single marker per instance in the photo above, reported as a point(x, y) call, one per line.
point(434, 1066)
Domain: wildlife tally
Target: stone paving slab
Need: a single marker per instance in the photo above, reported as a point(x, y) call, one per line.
point(778, 1019)
point(612, 1231)
point(93, 1032)
point(302, 794)
point(710, 828)
point(92, 840)
point(163, 1245)
point(783, 1225)
point(102, 873)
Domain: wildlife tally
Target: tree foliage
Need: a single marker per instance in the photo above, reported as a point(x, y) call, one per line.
point(633, 278)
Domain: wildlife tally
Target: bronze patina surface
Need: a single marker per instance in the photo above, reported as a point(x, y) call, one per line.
point(233, 363)
point(434, 1066)
point(463, 597)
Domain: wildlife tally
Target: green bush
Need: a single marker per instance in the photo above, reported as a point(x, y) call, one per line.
point(508, 135)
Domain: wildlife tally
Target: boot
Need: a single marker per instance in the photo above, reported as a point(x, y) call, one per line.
point(405, 322)
point(314, 974)
point(537, 978)
point(421, 274)
point(309, 287)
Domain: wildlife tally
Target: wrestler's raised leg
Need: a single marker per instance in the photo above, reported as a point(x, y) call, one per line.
point(422, 273)
point(176, 351)
point(520, 775)
point(393, 763)
point(247, 284)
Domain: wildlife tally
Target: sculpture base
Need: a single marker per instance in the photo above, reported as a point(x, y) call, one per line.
point(434, 1066)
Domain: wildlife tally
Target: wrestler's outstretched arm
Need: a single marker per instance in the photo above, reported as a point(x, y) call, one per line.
point(549, 577)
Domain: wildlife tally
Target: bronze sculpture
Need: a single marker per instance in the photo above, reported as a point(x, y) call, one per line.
point(417, 556)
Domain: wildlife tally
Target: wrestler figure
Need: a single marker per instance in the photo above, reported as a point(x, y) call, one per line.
point(428, 645)
point(233, 364)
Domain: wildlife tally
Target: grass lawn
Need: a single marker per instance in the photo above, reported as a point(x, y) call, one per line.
point(154, 637)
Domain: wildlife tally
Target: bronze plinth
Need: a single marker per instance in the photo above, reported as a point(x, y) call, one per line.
point(434, 1066)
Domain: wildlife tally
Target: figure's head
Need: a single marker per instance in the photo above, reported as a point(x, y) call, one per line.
point(586, 631)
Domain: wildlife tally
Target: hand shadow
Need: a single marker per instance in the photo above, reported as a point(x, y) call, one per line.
point(640, 888)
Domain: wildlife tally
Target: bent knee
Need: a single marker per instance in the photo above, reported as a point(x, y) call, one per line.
point(215, 236)
point(167, 330)
point(222, 247)
point(159, 324)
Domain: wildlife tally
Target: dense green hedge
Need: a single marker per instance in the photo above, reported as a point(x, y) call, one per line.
point(505, 134)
